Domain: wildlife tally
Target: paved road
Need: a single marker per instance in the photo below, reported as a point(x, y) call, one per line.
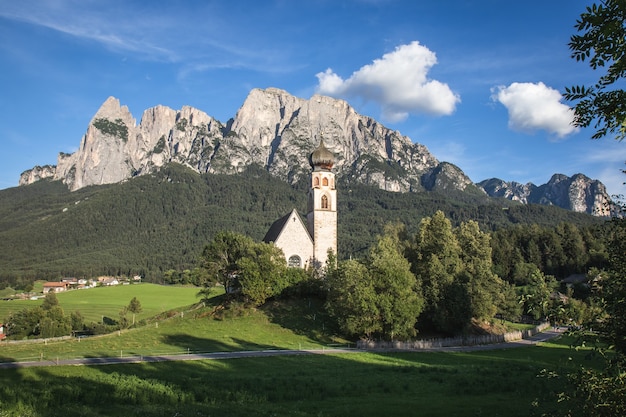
point(541, 337)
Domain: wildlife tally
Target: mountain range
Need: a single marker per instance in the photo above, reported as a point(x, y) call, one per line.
point(277, 131)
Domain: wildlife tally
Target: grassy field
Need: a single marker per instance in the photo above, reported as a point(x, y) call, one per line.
point(489, 383)
point(295, 325)
point(95, 303)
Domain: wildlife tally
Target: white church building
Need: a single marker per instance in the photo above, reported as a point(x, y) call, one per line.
point(308, 244)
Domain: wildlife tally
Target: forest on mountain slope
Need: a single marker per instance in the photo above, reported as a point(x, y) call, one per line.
point(156, 223)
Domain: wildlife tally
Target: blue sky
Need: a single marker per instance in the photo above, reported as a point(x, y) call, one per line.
point(477, 82)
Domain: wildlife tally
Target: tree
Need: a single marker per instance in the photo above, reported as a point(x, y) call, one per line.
point(435, 261)
point(399, 297)
point(262, 272)
point(247, 269)
point(221, 256)
point(352, 299)
point(379, 297)
point(50, 301)
point(601, 43)
point(482, 285)
point(134, 307)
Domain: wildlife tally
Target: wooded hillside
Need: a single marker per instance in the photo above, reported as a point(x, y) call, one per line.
point(150, 224)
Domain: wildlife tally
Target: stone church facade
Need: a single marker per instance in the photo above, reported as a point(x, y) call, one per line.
point(308, 244)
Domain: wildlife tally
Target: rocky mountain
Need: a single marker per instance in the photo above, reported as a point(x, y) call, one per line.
point(278, 131)
point(577, 193)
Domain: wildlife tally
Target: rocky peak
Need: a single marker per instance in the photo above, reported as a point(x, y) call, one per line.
point(278, 131)
point(578, 193)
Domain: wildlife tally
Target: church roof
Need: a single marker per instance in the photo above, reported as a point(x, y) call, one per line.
point(322, 157)
point(277, 227)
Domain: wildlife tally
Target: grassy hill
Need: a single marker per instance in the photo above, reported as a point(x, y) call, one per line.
point(153, 223)
point(488, 383)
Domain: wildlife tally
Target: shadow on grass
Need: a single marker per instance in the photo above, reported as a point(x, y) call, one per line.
point(305, 317)
point(434, 384)
point(204, 345)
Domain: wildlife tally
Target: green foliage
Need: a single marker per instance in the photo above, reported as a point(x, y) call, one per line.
point(117, 128)
point(611, 290)
point(253, 270)
point(45, 321)
point(379, 298)
point(160, 146)
point(455, 268)
point(156, 223)
point(559, 250)
point(50, 301)
point(601, 42)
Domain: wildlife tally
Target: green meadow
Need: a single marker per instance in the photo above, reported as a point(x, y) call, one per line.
point(506, 382)
point(95, 303)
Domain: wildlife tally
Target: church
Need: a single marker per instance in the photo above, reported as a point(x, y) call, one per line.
point(306, 244)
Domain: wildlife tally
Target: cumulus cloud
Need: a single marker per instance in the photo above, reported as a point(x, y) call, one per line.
point(535, 106)
point(398, 82)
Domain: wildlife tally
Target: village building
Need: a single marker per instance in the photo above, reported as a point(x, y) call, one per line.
point(55, 287)
point(308, 243)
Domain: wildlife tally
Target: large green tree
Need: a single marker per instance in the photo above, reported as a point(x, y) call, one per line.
point(436, 260)
point(351, 299)
point(250, 270)
point(484, 288)
point(376, 298)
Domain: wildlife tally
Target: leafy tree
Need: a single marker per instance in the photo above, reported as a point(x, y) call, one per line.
point(50, 301)
point(252, 270)
point(55, 323)
point(399, 297)
point(77, 321)
point(123, 322)
point(221, 257)
point(536, 295)
point(435, 260)
point(612, 289)
point(352, 299)
point(25, 323)
point(134, 307)
point(600, 41)
point(262, 272)
point(482, 285)
point(380, 297)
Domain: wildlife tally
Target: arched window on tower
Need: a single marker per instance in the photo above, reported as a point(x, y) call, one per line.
point(325, 204)
point(316, 182)
point(325, 182)
point(294, 261)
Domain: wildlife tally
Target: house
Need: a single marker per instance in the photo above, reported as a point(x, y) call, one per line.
point(55, 287)
point(108, 281)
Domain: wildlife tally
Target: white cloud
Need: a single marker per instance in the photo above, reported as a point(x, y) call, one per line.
point(535, 106)
point(398, 82)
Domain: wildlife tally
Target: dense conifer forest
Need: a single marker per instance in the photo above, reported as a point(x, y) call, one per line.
point(155, 223)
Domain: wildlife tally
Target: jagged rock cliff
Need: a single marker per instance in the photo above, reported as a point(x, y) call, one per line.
point(577, 193)
point(278, 132)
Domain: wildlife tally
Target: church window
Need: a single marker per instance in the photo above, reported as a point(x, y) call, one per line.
point(325, 202)
point(325, 182)
point(294, 261)
point(316, 182)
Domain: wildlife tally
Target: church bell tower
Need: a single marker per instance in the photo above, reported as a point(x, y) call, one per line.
point(322, 205)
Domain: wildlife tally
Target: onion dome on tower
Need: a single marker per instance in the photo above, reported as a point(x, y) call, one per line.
point(322, 158)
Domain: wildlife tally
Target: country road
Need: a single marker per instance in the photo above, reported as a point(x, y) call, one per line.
point(540, 337)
